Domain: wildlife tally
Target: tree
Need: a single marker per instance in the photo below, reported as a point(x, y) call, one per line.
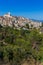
point(27, 26)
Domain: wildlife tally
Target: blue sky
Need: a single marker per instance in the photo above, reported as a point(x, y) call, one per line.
point(27, 8)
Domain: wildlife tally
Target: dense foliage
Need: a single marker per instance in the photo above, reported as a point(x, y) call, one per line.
point(19, 45)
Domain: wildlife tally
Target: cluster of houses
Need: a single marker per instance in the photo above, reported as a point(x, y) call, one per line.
point(9, 20)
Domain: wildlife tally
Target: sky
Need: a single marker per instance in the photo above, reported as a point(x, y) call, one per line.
point(32, 9)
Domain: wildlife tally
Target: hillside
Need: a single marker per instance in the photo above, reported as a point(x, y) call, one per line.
point(19, 46)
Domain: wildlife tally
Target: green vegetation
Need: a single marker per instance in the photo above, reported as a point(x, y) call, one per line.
point(19, 45)
point(42, 24)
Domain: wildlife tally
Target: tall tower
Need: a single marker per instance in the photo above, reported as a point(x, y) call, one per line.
point(9, 13)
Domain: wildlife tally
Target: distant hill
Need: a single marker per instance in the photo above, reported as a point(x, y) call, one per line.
point(36, 20)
